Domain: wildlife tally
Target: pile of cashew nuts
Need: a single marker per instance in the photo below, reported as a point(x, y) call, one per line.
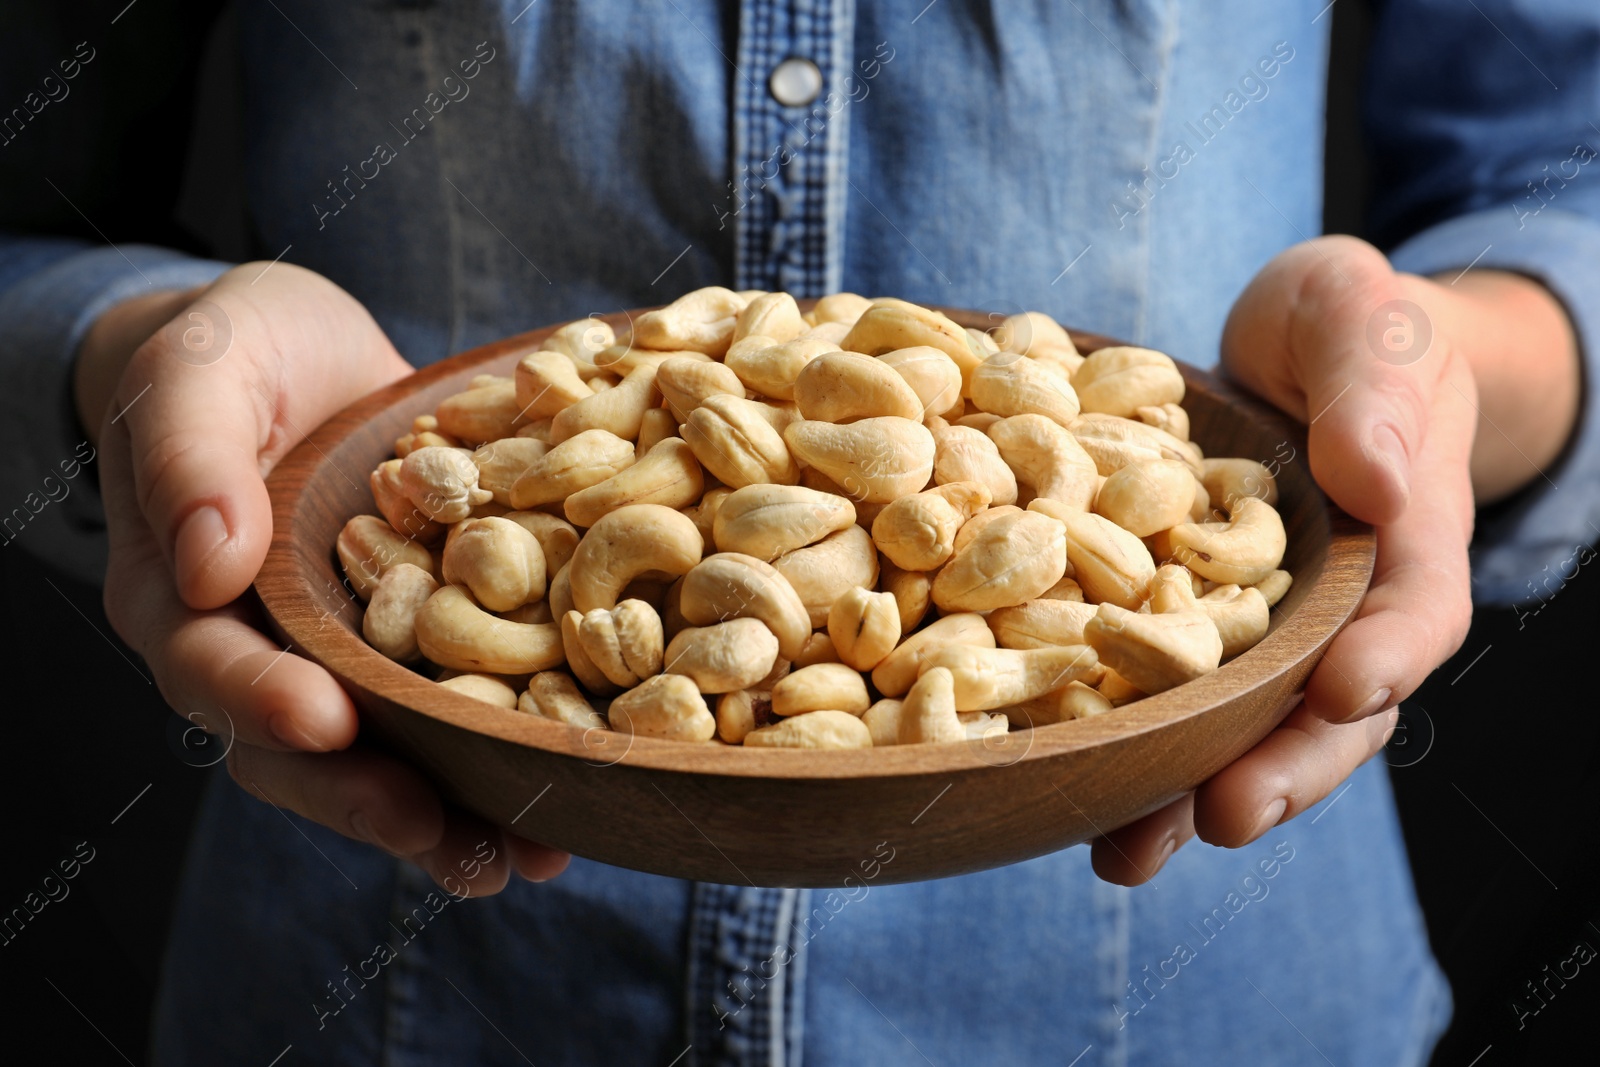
point(859, 525)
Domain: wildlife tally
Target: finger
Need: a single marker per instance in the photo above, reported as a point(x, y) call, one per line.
point(213, 668)
point(471, 858)
point(1419, 607)
point(1132, 854)
point(1293, 768)
point(361, 794)
point(215, 397)
point(536, 862)
point(1319, 334)
point(195, 433)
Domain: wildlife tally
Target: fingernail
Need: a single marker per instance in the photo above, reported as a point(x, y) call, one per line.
point(1389, 722)
point(288, 728)
point(1167, 850)
point(1370, 706)
point(199, 535)
point(1384, 448)
point(1270, 817)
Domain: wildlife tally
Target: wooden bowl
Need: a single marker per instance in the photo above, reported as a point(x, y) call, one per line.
point(790, 817)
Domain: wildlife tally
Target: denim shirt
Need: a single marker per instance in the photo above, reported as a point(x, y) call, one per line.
point(470, 169)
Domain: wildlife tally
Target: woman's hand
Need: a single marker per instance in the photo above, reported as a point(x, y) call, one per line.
point(199, 414)
point(1393, 405)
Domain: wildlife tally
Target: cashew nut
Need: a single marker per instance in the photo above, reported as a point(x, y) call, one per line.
point(724, 656)
point(1079, 701)
point(1041, 624)
point(547, 383)
point(500, 561)
point(687, 383)
point(655, 426)
point(625, 643)
point(741, 711)
point(1010, 561)
point(666, 706)
point(554, 695)
point(928, 714)
point(819, 687)
point(1147, 496)
point(771, 369)
point(630, 542)
point(766, 521)
point(1046, 457)
point(699, 321)
point(1230, 480)
point(733, 439)
point(1169, 417)
point(931, 374)
point(890, 324)
point(1006, 384)
point(882, 721)
point(486, 413)
point(1243, 552)
point(730, 585)
point(841, 387)
point(838, 307)
point(864, 627)
point(556, 536)
point(454, 632)
point(1155, 652)
point(988, 678)
point(500, 463)
point(1113, 442)
point(582, 460)
point(442, 483)
point(821, 572)
point(1274, 585)
point(1109, 563)
point(899, 669)
point(876, 460)
point(368, 547)
point(667, 475)
point(390, 622)
point(817, 729)
point(965, 454)
point(818, 649)
point(704, 514)
point(912, 592)
point(1122, 379)
point(484, 687)
point(619, 410)
point(773, 315)
point(918, 532)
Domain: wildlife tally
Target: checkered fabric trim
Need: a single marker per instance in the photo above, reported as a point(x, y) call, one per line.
point(746, 976)
point(789, 168)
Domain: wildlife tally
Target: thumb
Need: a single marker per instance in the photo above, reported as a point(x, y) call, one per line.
point(1331, 334)
point(219, 394)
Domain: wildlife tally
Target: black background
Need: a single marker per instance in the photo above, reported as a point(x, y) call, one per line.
point(1494, 766)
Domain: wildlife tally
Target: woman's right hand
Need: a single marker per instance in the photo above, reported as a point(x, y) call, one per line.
point(200, 413)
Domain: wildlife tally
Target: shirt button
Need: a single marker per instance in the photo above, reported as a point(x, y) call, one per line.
point(795, 82)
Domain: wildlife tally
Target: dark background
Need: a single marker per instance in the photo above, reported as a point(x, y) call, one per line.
point(1494, 766)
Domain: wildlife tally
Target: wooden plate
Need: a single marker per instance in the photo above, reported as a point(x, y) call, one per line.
point(788, 817)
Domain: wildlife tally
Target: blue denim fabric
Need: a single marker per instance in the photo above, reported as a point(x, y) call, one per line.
point(469, 169)
point(472, 168)
point(1307, 944)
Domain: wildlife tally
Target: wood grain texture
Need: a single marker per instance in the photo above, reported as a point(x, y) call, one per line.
point(796, 818)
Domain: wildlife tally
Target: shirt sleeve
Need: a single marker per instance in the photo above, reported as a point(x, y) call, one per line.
point(58, 289)
point(1485, 157)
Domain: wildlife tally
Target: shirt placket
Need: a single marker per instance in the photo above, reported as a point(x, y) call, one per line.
point(746, 978)
point(791, 145)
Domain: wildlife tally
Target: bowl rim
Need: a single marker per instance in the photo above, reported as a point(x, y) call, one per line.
point(289, 592)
